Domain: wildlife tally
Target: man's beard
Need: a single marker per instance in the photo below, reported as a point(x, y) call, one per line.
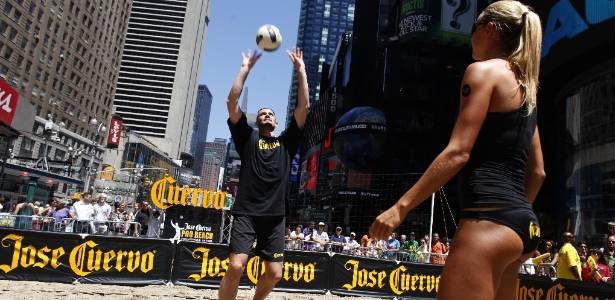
point(266, 127)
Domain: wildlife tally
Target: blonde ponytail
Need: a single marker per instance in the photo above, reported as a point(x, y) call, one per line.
point(521, 35)
point(525, 60)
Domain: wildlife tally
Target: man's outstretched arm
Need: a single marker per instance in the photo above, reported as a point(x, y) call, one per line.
point(303, 95)
point(232, 103)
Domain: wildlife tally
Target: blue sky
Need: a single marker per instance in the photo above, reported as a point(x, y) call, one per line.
point(232, 29)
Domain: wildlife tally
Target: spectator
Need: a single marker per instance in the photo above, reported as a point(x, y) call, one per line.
point(352, 246)
point(365, 242)
point(392, 246)
point(102, 213)
point(582, 250)
point(611, 226)
point(3, 204)
point(153, 226)
point(24, 212)
point(121, 218)
point(296, 238)
point(596, 269)
point(320, 237)
point(311, 229)
point(568, 261)
point(338, 240)
point(59, 211)
point(610, 253)
point(437, 250)
point(410, 248)
point(423, 251)
point(83, 212)
point(142, 217)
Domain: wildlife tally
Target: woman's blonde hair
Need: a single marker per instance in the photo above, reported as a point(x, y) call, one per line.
point(521, 34)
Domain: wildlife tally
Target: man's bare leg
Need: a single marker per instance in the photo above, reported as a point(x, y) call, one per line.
point(266, 283)
point(230, 282)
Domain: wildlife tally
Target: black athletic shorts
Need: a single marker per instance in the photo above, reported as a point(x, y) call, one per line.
point(522, 220)
point(269, 234)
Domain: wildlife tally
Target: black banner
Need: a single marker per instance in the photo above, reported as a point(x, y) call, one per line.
point(536, 288)
point(415, 280)
point(40, 256)
point(361, 276)
point(113, 260)
point(304, 271)
point(199, 264)
point(194, 223)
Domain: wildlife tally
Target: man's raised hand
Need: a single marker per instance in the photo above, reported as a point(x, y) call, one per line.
point(296, 57)
point(249, 58)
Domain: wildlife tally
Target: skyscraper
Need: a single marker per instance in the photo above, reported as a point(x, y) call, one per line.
point(244, 100)
point(157, 84)
point(199, 127)
point(213, 160)
point(321, 23)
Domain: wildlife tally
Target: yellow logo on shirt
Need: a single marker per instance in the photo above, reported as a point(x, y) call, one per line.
point(264, 145)
point(534, 230)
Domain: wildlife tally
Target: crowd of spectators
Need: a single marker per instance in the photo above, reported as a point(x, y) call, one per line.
point(574, 260)
point(83, 214)
point(314, 237)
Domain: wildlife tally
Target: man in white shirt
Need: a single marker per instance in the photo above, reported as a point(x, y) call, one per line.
point(102, 213)
point(83, 212)
point(352, 246)
point(320, 237)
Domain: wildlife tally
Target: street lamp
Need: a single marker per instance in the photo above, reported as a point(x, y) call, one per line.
point(100, 128)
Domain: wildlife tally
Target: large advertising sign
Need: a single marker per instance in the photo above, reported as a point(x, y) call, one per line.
point(205, 265)
point(193, 223)
point(9, 98)
point(166, 193)
point(115, 129)
point(56, 257)
point(437, 21)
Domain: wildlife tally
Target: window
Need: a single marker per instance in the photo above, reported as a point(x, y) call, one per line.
point(12, 34)
point(3, 26)
point(3, 71)
point(350, 12)
point(327, 12)
point(7, 8)
point(7, 53)
point(324, 36)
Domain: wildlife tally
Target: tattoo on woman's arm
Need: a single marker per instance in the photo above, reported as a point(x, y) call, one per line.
point(466, 90)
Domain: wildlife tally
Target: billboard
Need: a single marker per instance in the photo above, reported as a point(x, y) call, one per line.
point(115, 128)
point(9, 98)
point(438, 21)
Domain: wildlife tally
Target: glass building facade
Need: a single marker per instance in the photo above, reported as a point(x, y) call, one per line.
point(321, 23)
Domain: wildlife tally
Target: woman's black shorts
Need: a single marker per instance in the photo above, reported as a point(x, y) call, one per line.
point(522, 220)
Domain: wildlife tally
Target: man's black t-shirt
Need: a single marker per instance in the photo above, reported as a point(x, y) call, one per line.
point(265, 167)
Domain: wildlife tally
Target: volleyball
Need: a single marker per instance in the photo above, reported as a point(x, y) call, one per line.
point(268, 37)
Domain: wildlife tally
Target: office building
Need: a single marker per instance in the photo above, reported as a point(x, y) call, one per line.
point(213, 160)
point(202, 112)
point(157, 84)
point(63, 58)
point(321, 24)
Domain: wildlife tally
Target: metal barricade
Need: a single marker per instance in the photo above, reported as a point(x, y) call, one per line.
point(111, 228)
point(33, 222)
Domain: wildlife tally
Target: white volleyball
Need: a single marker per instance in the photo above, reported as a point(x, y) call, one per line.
point(268, 37)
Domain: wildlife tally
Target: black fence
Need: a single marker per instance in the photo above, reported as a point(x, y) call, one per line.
point(65, 257)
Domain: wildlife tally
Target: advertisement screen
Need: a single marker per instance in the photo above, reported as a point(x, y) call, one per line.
point(438, 21)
